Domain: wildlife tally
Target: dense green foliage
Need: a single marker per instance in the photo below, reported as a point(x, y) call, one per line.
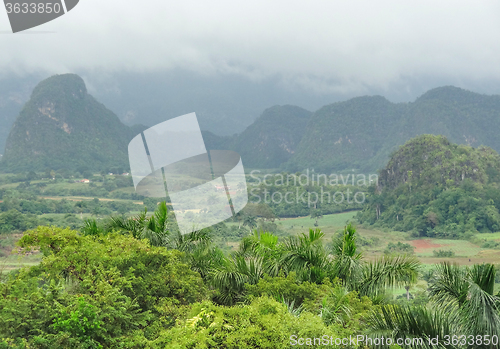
point(437, 189)
point(297, 194)
point(138, 284)
point(400, 248)
point(100, 288)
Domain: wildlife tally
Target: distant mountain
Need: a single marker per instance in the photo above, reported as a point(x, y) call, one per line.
point(346, 135)
point(462, 116)
point(225, 104)
point(432, 187)
point(362, 133)
point(62, 126)
point(273, 138)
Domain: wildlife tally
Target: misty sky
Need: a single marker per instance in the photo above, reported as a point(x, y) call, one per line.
point(342, 47)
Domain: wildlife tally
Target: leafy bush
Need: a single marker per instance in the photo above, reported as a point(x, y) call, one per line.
point(264, 323)
point(443, 253)
point(491, 244)
point(399, 248)
point(288, 288)
point(92, 291)
point(82, 323)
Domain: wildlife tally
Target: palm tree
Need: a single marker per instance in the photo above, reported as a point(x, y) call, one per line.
point(387, 272)
point(419, 325)
point(195, 240)
point(91, 227)
point(154, 228)
point(157, 230)
point(336, 307)
point(347, 261)
point(469, 292)
point(80, 207)
point(462, 303)
point(231, 274)
point(250, 221)
point(239, 217)
point(306, 255)
point(263, 245)
point(204, 259)
point(370, 278)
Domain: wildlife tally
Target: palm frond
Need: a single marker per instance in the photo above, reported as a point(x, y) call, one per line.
point(483, 275)
point(231, 275)
point(481, 312)
point(336, 307)
point(412, 323)
point(389, 271)
point(450, 284)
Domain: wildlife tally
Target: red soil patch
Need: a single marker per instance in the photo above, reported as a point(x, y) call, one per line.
point(422, 245)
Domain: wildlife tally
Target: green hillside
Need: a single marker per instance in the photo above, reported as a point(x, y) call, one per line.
point(434, 188)
point(273, 138)
point(62, 126)
point(346, 135)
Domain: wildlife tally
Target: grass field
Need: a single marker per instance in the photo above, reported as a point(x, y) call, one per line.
point(331, 220)
point(461, 248)
point(488, 236)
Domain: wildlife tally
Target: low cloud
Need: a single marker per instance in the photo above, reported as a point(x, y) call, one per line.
point(323, 46)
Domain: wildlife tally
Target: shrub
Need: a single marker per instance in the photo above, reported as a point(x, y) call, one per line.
point(399, 248)
point(443, 253)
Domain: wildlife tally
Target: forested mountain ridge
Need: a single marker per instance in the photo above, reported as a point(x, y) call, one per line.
point(432, 187)
point(362, 133)
point(273, 138)
point(62, 126)
point(346, 135)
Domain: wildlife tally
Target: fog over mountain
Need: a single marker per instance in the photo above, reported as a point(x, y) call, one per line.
point(228, 62)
